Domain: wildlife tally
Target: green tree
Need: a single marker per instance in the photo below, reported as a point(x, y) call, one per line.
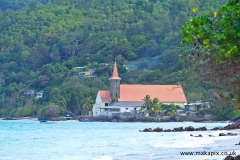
point(147, 103)
point(88, 103)
point(216, 54)
point(156, 106)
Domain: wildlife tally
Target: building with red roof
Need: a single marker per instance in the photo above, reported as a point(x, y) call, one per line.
point(130, 97)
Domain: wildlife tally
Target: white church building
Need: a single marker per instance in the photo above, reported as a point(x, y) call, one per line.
point(130, 97)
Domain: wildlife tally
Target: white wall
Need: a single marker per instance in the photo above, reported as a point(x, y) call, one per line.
point(99, 104)
point(128, 109)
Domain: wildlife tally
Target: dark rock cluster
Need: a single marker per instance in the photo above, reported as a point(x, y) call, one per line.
point(232, 157)
point(177, 129)
point(196, 136)
point(228, 134)
point(232, 126)
point(190, 128)
point(228, 127)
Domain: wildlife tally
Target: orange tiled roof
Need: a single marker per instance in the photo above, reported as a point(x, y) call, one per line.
point(115, 72)
point(105, 95)
point(165, 93)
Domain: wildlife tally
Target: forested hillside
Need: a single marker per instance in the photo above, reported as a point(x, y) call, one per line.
point(40, 44)
point(22, 4)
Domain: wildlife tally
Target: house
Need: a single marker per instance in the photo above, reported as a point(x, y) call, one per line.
point(196, 106)
point(39, 94)
point(88, 73)
point(130, 97)
point(84, 72)
point(30, 92)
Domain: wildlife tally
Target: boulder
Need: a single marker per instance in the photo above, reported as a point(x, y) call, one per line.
point(167, 130)
point(231, 134)
point(157, 129)
point(221, 134)
point(235, 119)
point(198, 135)
point(229, 158)
point(189, 128)
point(217, 128)
point(238, 143)
point(232, 126)
point(237, 157)
point(147, 130)
point(228, 134)
point(202, 128)
point(178, 129)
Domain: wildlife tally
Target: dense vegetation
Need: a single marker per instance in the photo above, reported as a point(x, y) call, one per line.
point(216, 54)
point(22, 4)
point(155, 107)
point(40, 44)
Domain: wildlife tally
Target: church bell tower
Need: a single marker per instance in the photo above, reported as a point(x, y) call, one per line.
point(115, 83)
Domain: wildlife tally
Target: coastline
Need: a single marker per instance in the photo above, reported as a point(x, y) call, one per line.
point(109, 119)
point(139, 145)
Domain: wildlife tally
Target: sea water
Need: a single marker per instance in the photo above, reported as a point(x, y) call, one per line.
point(73, 140)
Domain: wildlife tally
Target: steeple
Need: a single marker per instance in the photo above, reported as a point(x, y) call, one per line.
point(115, 71)
point(115, 83)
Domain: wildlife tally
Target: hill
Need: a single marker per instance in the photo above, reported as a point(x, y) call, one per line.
point(40, 46)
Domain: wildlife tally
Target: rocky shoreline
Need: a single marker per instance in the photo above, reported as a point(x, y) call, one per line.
point(232, 126)
point(137, 118)
point(191, 128)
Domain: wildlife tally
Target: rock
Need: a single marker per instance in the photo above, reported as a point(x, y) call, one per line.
point(167, 130)
point(237, 157)
point(189, 128)
point(238, 143)
point(235, 119)
point(202, 128)
point(147, 130)
point(228, 134)
point(232, 126)
point(198, 135)
point(221, 134)
point(191, 135)
point(229, 158)
point(231, 134)
point(157, 129)
point(211, 136)
point(196, 129)
point(216, 128)
point(178, 129)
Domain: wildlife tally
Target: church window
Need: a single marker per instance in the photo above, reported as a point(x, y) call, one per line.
point(106, 104)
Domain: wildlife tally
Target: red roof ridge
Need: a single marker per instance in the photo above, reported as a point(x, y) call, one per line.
point(155, 84)
point(105, 95)
point(165, 93)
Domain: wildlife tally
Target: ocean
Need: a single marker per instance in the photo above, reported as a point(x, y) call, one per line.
point(73, 140)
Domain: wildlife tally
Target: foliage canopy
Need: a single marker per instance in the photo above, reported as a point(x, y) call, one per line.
point(216, 54)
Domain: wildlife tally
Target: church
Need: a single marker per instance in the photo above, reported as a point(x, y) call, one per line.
point(129, 97)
